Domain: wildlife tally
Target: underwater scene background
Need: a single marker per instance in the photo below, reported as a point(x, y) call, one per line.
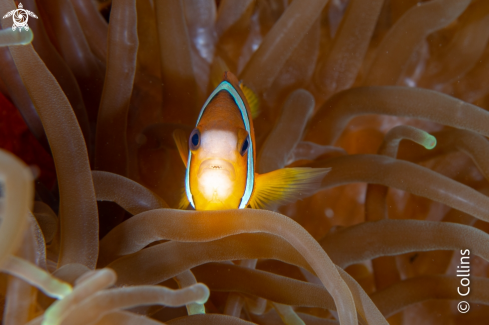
point(392, 95)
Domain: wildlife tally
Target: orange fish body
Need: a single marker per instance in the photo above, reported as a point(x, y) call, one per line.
point(220, 158)
point(218, 164)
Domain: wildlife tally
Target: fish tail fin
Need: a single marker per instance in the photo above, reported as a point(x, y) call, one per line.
point(180, 138)
point(252, 100)
point(286, 185)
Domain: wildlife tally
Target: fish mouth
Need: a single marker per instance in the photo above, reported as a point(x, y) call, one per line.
point(217, 166)
point(216, 180)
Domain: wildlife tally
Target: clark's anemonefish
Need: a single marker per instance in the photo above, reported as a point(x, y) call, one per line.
point(220, 158)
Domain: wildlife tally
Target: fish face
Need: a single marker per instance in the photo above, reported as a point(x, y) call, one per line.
point(218, 170)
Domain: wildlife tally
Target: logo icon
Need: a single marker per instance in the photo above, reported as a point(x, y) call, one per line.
point(20, 17)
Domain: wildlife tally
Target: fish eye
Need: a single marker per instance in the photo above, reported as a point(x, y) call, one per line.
point(194, 140)
point(245, 146)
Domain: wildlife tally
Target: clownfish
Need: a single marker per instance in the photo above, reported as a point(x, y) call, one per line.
point(220, 154)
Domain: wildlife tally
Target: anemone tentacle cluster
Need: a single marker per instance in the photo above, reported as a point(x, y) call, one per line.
point(100, 88)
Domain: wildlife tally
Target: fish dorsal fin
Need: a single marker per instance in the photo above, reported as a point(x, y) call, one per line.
point(218, 67)
point(285, 185)
point(181, 141)
point(252, 100)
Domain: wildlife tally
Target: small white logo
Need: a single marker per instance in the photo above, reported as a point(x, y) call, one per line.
point(20, 17)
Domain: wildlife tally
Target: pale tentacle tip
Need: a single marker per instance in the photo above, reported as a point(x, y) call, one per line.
point(64, 289)
point(200, 287)
point(430, 142)
point(8, 37)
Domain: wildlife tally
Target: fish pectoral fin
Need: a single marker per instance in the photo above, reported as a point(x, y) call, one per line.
point(252, 100)
point(184, 202)
point(285, 185)
point(181, 140)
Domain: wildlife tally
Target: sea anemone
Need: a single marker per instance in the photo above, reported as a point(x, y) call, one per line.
point(389, 94)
